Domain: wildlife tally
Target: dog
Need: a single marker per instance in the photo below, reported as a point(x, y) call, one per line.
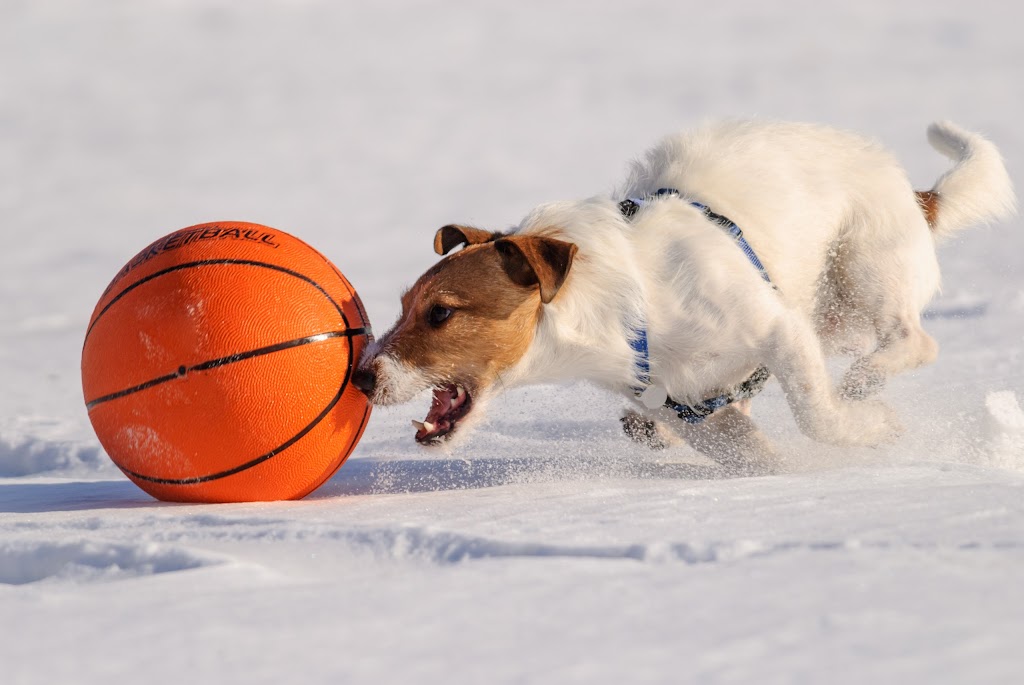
point(737, 251)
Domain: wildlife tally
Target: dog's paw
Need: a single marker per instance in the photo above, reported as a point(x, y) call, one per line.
point(642, 430)
point(861, 381)
point(865, 423)
point(869, 423)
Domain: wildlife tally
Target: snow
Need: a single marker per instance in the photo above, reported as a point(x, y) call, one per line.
point(548, 549)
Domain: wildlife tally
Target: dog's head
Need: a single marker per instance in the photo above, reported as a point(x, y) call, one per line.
point(467, 321)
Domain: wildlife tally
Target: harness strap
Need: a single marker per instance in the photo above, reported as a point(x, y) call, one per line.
point(643, 356)
point(696, 413)
point(737, 234)
point(653, 396)
point(630, 206)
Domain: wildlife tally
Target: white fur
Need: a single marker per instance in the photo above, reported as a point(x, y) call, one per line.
point(977, 189)
point(396, 381)
point(834, 220)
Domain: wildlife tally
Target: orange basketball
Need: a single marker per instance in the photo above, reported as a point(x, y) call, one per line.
point(217, 363)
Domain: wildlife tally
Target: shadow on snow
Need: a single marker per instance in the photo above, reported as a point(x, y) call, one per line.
point(363, 477)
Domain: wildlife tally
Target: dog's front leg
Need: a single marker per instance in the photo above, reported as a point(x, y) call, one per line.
point(729, 437)
point(794, 355)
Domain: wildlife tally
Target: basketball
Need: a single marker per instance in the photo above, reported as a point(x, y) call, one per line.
point(216, 366)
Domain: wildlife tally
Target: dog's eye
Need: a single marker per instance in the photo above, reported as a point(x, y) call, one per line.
point(438, 315)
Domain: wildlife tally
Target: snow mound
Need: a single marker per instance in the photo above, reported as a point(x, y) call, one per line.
point(27, 455)
point(34, 444)
point(1004, 430)
point(25, 562)
point(445, 547)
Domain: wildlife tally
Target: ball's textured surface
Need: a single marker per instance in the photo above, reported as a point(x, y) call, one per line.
point(217, 366)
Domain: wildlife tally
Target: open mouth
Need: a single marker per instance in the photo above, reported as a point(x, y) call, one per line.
point(450, 405)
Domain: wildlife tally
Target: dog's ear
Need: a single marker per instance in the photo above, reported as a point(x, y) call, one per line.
point(449, 237)
point(534, 260)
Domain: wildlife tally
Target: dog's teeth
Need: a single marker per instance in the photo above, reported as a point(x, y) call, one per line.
point(459, 391)
point(452, 400)
point(417, 425)
point(428, 426)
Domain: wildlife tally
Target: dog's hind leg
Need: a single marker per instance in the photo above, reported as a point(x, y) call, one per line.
point(902, 345)
point(888, 274)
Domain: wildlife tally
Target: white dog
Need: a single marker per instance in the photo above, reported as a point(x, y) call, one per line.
point(655, 294)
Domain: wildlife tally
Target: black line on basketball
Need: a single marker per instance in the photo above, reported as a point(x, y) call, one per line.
point(183, 371)
point(263, 457)
point(362, 422)
point(211, 262)
point(358, 432)
point(355, 298)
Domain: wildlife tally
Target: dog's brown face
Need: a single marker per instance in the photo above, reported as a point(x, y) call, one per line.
point(466, 321)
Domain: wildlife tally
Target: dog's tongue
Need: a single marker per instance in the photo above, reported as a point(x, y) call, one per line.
point(439, 406)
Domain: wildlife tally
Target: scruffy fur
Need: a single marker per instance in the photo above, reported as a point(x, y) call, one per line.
point(833, 218)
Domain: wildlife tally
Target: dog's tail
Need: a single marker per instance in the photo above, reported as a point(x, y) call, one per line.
point(976, 190)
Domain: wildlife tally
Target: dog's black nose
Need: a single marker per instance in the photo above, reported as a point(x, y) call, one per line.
point(365, 380)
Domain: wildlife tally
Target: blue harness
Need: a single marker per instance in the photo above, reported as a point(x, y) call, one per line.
point(695, 413)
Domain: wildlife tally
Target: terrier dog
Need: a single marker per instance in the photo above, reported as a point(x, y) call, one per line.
point(653, 293)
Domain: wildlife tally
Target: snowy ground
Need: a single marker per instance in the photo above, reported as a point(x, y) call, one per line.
point(548, 549)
